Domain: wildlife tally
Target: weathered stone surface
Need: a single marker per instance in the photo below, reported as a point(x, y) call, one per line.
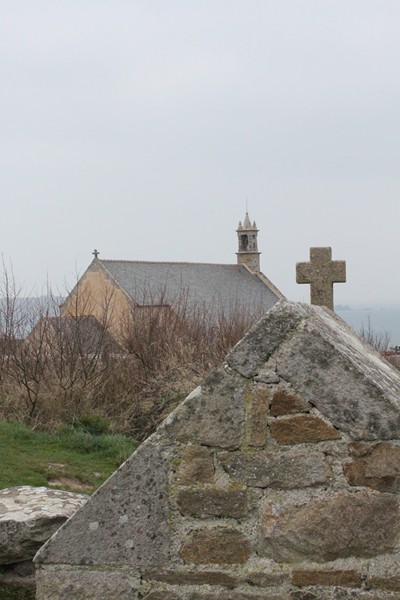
point(196, 466)
point(216, 546)
point(302, 429)
point(124, 522)
point(265, 580)
point(267, 376)
point(250, 354)
point(385, 583)
point(163, 595)
point(384, 573)
point(345, 379)
point(238, 595)
point(82, 584)
point(26, 568)
point(192, 577)
point(374, 465)
point(303, 596)
point(284, 470)
point(359, 524)
point(342, 594)
point(212, 502)
point(29, 516)
point(133, 524)
point(257, 419)
point(286, 404)
point(341, 578)
point(213, 415)
point(321, 273)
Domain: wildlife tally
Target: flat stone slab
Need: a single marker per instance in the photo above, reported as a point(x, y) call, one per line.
point(359, 524)
point(29, 516)
point(200, 420)
point(125, 521)
point(279, 470)
point(86, 584)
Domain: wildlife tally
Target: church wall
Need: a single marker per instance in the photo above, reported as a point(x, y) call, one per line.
point(97, 295)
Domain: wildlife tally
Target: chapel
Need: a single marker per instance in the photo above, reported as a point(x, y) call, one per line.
point(117, 288)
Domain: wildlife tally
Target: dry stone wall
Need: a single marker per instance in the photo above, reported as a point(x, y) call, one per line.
point(277, 479)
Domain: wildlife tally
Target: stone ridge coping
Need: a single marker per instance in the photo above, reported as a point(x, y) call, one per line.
point(164, 262)
point(285, 319)
point(369, 362)
point(250, 354)
point(24, 502)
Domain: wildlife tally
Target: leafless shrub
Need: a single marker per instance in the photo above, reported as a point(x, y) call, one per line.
point(171, 349)
point(379, 340)
point(72, 362)
point(50, 366)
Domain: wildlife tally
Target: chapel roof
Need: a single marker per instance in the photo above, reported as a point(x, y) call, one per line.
point(213, 286)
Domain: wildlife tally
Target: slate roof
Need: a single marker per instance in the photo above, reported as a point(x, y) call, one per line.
point(213, 286)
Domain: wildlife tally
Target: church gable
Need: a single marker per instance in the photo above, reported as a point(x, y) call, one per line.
point(98, 294)
point(278, 478)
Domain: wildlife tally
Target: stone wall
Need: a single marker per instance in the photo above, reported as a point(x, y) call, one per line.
point(277, 479)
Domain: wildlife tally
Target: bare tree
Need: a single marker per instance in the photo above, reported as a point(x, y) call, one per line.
point(51, 366)
point(57, 364)
point(22, 367)
point(379, 340)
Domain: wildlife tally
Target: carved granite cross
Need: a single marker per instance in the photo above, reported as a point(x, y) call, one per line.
point(321, 273)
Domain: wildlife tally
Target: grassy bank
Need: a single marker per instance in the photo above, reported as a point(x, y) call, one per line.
point(73, 459)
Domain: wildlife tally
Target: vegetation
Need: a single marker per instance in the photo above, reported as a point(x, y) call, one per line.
point(379, 340)
point(57, 370)
point(73, 459)
point(14, 591)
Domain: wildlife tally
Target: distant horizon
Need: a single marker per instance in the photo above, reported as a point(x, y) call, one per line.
point(339, 307)
point(381, 317)
point(364, 306)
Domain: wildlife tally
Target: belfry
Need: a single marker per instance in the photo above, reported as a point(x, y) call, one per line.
point(248, 253)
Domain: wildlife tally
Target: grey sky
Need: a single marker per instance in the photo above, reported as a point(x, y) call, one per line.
point(140, 128)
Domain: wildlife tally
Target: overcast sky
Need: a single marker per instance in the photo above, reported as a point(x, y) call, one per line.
point(141, 127)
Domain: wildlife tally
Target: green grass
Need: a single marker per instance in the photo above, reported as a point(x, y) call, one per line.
point(72, 459)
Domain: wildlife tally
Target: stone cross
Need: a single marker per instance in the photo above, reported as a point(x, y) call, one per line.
point(95, 253)
point(321, 273)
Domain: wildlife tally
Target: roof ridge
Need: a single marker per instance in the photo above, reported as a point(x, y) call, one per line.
point(168, 262)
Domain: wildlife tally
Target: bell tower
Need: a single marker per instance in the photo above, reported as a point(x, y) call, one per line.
point(248, 253)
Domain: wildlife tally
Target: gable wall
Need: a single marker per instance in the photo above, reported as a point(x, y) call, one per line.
point(248, 491)
point(97, 295)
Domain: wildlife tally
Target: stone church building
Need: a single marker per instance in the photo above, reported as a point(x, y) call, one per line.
point(113, 290)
